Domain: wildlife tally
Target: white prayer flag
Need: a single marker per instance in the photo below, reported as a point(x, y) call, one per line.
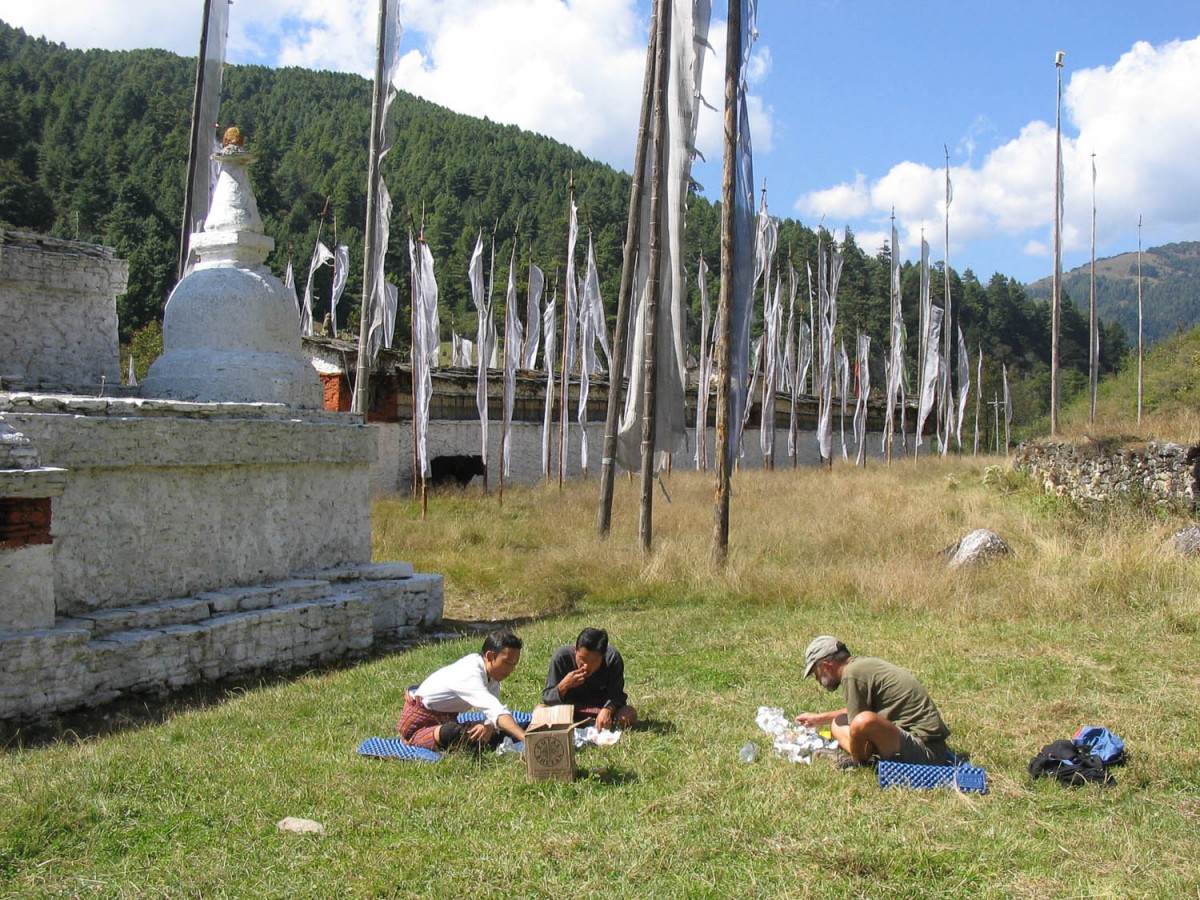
point(931, 374)
point(533, 318)
point(964, 382)
point(514, 340)
point(485, 339)
point(862, 371)
point(289, 282)
point(704, 369)
point(772, 324)
point(1008, 413)
point(548, 346)
point(426, 336)
point(843, 391)
point(322, 255)
point(341, 271)
point(685, 59)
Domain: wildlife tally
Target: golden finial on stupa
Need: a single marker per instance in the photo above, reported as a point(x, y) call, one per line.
point(232, 137)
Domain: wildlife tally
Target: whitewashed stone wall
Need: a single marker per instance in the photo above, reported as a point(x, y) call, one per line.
point(452, 438)
point(1165, 474)
point(193, 542)
point(227, 495)
point(58, 315)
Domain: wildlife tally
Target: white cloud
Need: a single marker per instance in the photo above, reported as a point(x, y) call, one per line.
point(1132, 115)
point(572, 71)
point(710, 127)
point(842, 201)
point(109, 24)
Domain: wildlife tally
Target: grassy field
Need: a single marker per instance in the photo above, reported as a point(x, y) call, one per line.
point(1089, 622)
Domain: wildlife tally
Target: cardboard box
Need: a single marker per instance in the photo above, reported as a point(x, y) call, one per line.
point(550, 744)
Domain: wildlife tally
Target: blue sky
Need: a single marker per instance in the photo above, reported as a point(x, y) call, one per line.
point(853, 101)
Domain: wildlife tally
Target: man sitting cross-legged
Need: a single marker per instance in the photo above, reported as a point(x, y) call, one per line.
point(591, 677)
point(888, 714)
point(429, 717)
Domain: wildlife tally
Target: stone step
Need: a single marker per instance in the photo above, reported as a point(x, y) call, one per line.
point(381, 571)
point(189, 610)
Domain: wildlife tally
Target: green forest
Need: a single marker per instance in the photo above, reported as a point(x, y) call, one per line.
point(93, 147)
point(1170, 284)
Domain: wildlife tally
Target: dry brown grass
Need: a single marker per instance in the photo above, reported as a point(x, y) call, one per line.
point(846, 537)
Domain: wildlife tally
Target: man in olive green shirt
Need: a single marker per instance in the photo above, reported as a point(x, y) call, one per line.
point(888, 714)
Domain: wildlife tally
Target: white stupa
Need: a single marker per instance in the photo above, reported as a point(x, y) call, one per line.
point(231, 330)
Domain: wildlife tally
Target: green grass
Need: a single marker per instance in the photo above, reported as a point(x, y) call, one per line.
point(1090, 622)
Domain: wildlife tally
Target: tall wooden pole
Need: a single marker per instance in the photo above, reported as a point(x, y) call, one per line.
point(566, 375)
point(733, 64)
point(616, 377)
point(363, 363)
point(1141, 342)
point(1056, 300)
point(194, 151)
point(1093, 330)
point(653, 282)
point(947, 404)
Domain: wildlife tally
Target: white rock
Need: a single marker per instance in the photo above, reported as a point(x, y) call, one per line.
point(300, 826)
point(978, 547)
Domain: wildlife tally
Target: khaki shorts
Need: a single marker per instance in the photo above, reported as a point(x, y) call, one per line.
point(915, 750)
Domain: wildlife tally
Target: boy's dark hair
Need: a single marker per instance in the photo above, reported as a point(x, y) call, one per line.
point(840, 655)
point(595, 639)
point(500, 640)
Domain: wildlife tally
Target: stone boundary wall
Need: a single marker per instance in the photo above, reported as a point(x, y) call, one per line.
point(1163, 473)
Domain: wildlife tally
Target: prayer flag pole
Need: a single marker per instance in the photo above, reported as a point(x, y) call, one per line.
point(1093, 334)
point(1055, 302)
point(616, 375)
point(733, 52)
point(362, 366)
point(653, 281)
point(1141, 344)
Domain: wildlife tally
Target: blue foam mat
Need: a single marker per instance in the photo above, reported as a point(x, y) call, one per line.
point(470, 718)
point(969, 779)
point(394, 748)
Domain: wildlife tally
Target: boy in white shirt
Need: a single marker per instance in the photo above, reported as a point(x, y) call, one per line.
point(429, 717)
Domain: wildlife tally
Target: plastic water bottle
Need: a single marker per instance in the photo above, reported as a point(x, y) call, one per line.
point(749, 752)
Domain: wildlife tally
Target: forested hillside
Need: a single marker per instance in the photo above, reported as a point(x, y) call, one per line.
point(93, 146)
point(1170, 289)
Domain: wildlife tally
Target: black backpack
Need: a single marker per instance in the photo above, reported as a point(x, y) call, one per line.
point(1070, 764)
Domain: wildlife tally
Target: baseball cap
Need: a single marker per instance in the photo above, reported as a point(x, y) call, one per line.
point(821, 646)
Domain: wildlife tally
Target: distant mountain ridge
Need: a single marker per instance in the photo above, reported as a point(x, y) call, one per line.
point(1170, 289)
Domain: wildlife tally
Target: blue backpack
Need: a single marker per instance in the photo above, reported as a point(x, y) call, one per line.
point(1101, 743)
